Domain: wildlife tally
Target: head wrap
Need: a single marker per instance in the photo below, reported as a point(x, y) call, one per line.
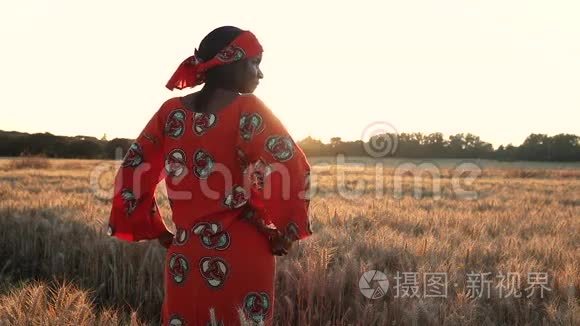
point(191, 71)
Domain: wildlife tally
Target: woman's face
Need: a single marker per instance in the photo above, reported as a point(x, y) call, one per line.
point(249, 74)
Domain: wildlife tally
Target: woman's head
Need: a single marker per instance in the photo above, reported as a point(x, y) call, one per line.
point(241, 76)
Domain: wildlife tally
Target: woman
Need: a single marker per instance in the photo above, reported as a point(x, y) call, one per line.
point(236, 182)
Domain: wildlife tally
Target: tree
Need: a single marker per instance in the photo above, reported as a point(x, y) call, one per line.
point(565, 147)
point(335, 141)
point(311, 146)
point(435, 145)
point(457, 144)
point(561, 147)
point(85, 148)
point(536, 147)
point(116, 148)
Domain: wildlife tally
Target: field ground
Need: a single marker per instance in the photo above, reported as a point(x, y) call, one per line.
point(57, 266)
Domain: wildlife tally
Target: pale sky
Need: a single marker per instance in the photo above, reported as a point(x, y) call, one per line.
point(500, 69)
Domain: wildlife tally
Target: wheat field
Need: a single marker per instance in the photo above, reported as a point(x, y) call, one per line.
point(58, 267)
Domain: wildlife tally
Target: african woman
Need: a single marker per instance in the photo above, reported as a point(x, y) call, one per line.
point(236, 181)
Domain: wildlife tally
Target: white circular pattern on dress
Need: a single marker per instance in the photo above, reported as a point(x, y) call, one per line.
point(175, 124)
point(129, 201)
point(178, 267)
point(175, 163)
point(250, 124)
point(214, 270)
point(134, 156)
point(260, 170)
point(176, 320)
point(257, 305)
point(202, 122)
point(281, 147)
point(237, 198)
point(211, 235)
point(181, 236)
point(242, 160)
point(203, 164)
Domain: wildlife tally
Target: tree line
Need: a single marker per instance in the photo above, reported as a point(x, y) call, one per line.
point(536, 147)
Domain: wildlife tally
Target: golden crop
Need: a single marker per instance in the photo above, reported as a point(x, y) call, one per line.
point(523, 220)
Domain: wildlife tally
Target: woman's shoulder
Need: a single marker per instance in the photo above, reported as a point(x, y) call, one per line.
point(172, 103)
point(251, 102)
point(250, 97)
point(247, 103)
point(169, 105)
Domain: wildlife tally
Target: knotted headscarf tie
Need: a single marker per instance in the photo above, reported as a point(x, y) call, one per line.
point(192, 71)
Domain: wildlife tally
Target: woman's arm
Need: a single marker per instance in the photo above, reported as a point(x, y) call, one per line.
point(134, 213)
point(278, 172)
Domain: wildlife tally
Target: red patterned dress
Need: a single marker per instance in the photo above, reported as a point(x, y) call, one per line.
point(223, 171)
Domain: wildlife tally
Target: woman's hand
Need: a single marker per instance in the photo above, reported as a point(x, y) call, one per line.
point(166, 239)
point(280, 244)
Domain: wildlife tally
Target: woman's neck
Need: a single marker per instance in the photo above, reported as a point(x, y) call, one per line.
point(217, 98)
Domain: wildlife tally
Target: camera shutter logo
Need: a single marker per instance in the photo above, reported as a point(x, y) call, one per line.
point(373, 284)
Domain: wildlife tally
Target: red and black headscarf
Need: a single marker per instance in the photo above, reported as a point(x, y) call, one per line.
point(191, 71)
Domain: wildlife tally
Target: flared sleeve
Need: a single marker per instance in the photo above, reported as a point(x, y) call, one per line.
point(134, 214)
point(277, 171)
